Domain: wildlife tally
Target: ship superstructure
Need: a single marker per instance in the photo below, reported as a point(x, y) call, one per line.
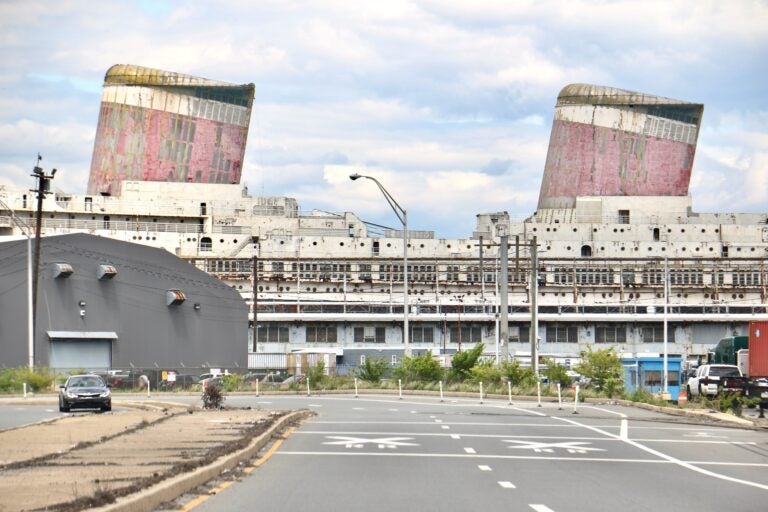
point(327, 283)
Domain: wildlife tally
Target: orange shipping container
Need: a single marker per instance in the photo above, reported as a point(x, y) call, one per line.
point(758, 349)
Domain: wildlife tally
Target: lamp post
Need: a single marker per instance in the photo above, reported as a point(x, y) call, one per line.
point(30, 323)
point(402, 216)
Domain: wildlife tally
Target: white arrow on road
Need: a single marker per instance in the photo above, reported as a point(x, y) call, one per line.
point(359, 442)
point(570, 446)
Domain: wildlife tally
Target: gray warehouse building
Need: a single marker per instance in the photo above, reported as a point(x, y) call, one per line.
point(104, 303)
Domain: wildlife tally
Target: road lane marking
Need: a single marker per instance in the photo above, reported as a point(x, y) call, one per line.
point(470, 450)
point(624, 430)
point(540, 508)
point(453, 436)
point(669, 458)
point(438, 421)
point(484, 468)
point(569, 446)
point(507, 485)
point(358, 442)
point(445, 427)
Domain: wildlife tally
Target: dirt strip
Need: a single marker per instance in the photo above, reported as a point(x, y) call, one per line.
point(84, 461)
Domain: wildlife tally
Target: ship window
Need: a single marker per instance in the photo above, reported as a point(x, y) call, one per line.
point(586, 251)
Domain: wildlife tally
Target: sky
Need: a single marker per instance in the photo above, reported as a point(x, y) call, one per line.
point(448, 103)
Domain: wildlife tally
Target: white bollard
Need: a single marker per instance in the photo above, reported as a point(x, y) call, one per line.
point(400, 388)
point(481, 392)
point(509, 390)
point(576, 400)
point(25, 390)
point(538, 391)
point(441, 391)
point(148, 385)
point(308, 392)
point(355, 387)
point(257, 388)
point(559, 398)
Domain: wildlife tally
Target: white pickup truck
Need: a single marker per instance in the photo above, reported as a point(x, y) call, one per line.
point(711, 379)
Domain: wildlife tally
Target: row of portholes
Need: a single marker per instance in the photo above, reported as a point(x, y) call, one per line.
point(616, 230)
point(139, 238)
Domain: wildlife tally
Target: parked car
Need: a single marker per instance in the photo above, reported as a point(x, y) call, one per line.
point(85, 391)
point(210, 378)
point(711, 379)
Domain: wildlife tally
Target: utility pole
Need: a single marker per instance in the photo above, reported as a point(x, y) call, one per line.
point(503, 287)
point(254, 305)
point(43, 189)
point(534, 306)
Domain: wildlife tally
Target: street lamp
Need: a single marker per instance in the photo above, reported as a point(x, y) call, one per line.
point(402, 216)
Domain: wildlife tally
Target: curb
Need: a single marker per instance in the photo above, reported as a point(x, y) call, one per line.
point(168, 490)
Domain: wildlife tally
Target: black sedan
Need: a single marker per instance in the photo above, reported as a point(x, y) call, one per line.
point(85, 391)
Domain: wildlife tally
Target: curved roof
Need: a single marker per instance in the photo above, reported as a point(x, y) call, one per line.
point(129, 74)
point(574, 94)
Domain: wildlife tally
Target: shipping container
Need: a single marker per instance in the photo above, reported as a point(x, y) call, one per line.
point(758, 349)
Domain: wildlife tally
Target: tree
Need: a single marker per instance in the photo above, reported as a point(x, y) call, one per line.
point(316, 374)
point(463, 362)
point(372, 369)
point(603, 368)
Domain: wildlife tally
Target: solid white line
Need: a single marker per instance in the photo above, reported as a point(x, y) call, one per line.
point(470, 450)
point(671, 459)
point(624, 430)
point(540, 508)
point(521, 457)
point(484, 468)
point(507, 485)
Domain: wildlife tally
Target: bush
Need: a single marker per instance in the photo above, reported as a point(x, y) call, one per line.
point(316, 374)
point(372, 370)
point(13, 379)
point(419, 368)
point(516, 374)
point(213, 398)
point(232, 381)
point(556, 373)
point(463, 362)
point(487, 372)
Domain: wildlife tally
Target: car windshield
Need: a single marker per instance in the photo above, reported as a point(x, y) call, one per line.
point(85, 382)
point(724, 371)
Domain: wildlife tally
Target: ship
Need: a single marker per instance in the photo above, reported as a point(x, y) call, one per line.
point(614, 255)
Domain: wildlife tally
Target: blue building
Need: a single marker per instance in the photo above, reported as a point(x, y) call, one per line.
point(647, 372)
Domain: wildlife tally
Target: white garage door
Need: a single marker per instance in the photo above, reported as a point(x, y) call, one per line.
point(89, 351)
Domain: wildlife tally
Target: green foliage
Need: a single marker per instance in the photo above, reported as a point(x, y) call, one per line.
point(463, 362)
point(13, 379)
point(486, 372)
point(232, 381)
point(604, 369)
point(556, 373)
point(316, 374)
point(642, 395)
point(372, 369)
point(213, 398)
point(419, 368)
point(516, 374)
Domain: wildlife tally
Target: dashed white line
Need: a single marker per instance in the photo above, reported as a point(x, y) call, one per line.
point(484, 468)
point(445, 427)
point(455, 436)
point(507, 485)
point(540, 508)
point(470, 450)
point(438, 421)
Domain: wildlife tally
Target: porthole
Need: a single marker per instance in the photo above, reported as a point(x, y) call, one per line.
point(221, 240)
point(663, 249)
point(282, 242)
point(234, 241)
point(568, 248)
point(314, 243)
point(389, 244)
point(683, 249)
point(534, 229)
point(575, 230)
point(421, 246)
point(362, 244)
point(341, 244)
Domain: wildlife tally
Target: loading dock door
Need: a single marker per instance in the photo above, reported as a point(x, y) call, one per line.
point(86, 350)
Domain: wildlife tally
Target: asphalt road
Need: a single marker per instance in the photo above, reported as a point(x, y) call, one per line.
point(381, 453)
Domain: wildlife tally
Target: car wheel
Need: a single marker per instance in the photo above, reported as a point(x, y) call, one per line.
point(63, 408)
point(701, 393)
point(106, 408)
point(688, 392)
